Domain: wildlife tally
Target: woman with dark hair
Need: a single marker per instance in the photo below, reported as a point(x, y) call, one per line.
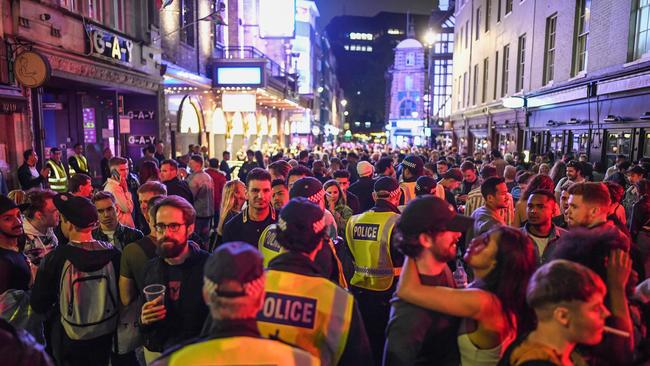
point(616, 209)
point(259, 158)
point(148, 172)
point(493, 308)
point(539, 182)
point(336, 203)
point(558, 171)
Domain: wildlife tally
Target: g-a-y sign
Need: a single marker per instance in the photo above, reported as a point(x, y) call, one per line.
point(106, 45)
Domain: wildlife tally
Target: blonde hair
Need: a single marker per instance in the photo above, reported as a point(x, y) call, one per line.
point(18, 196)
point(228, 202)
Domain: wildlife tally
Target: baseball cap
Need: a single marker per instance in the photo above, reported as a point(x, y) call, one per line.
point(365, 169)
point(302, 213)
point(7, 204)
point(236, 261)
point(637, 170)
point(453, 173)
point(79, 211)
point(308, 187)
point(424, 185)
point(432, 213)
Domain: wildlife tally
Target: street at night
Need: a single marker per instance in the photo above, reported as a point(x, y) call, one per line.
point(324, 182)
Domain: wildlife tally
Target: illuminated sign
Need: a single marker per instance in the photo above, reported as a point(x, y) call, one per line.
point(109, 46)
point(90, 132)
point(251, 76)
point(302, 45)
point(277, 18)
point(238, 102)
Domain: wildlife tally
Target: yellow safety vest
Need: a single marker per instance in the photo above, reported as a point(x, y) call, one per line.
point(81, 162)
point(268, 245)
point(238, 351)
point(60, 181)
point(368, 236)
point(309, 312)
point(409, 191)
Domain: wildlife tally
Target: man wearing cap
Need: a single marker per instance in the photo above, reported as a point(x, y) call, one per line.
point(303, 308)
point(15, 271)
point(412, 169)
point(430, 229)
point(248, 225)
point(634, 174)
point(58, 179)
point(82, 258)
point(179, 315)
point(362, 188)
point(233, 290)
point(423, 186)
point(377, 263)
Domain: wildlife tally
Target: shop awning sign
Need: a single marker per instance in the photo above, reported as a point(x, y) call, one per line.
point(31, 69)
point(109, 46)
point(141, 139)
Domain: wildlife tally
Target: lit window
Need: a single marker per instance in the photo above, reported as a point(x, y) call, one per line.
point(369, 48)
point(642, 31)
point(347, 47)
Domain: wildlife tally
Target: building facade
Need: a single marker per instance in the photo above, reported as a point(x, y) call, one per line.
point(552, 77)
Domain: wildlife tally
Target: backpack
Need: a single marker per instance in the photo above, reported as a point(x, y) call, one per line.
point(88, 301)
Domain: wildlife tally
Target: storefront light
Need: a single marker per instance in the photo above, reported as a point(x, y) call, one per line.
point(237, 124)
point(218, 122)
point(273, 128)
point(251, 118)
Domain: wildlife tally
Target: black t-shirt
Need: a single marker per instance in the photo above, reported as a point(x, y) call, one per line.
point(250, 231)
point(14, 271)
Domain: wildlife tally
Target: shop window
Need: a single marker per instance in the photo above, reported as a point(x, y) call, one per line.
point(556, 143)
point(580, 142)
point(619, 143)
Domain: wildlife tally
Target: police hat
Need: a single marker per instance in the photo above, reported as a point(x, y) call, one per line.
point(388, 185)
point(414, 163)
point(424, 185)
point(235, 261)
point(80, 211)
point(426, 213)
point(302, 213)
point(308, 187)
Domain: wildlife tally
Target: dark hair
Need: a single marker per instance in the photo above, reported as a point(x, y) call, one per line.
point(539, 182)
point(54, 150)
point(149, 171)
point(77, 144)
point(224, 153)
point(383, 164)
point(467, 165)
point(171, 162)
point(341, 174)
point(250, 152)
point(496, 154)
point(409, 244)
point(616, 192)
point(36, 201)
point(299, 170)
point(561, 281)
point(77, 180)
point(153, 201)
point(515, 264)
point(594, 193)
point(543, 192)
point(334, 183)
point(213, 163)
point(279, 182)
point(576, 165)
point(585, 247)
point(197, 159)
point(524, 177)
point(117, 160)
point(318, 167)
point(258, 174)
point(27, 153)
point(303, 154)
point(489, 186)
point(643, 186)
point(149, 148)
point(281, 167)
point(353, 155)
point(624, 165)
point(259, 157)
point(103, 195)
point(443, 161)
point(488, 171)
point(189, 214)
point(153, 187)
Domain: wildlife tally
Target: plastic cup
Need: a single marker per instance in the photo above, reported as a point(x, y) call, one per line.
point(153, 291)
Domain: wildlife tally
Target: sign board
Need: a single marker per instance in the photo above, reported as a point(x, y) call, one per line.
point(8, 106)
point(90, 130)
point(140, 114)
point(125, 124)
point(109, 46)
point(141, 139)
point(238, 102)
point(251, 76)
point(31, 69)
point(277, 18)
point(50, 106)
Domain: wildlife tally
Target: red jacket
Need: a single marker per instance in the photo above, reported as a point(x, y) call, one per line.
point(219, 180)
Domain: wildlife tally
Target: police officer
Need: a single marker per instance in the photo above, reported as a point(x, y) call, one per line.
point(302, 307)
point(233, 290)
point(58, 178)
point(412, 169)
point(377, 263)
point(78, 162)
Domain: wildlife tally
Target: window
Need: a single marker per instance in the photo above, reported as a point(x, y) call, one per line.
point(407, 107)
point(91, 8)
point(498, 11)
point(464, 88)
point(475, 84)
point(504, 73)
point(508, 7)
point(442, 76)
point(581, 36)
point(521, 62)
point(549, 49)
point(410, 59)
point(488, 11)
point(188, 22)
point(642, 31)
point(467, 32)
point(486, 64)
point(477, 27)
point(496, 73)
point(115, 15)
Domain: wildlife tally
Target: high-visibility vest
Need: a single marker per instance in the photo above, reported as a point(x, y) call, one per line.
point(268, 245)
point(409, 191)
point(60, 181)
point(368, 236)
point(238, 351)
point(81, 162)
point(310, 312)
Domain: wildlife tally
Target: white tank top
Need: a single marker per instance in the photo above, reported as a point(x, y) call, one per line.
point(470, 355)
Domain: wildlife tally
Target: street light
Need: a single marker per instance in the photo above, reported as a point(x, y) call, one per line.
point(344, 102)
point(430, 38)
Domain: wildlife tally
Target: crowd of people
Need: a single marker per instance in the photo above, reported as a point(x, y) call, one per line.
point(349, 256)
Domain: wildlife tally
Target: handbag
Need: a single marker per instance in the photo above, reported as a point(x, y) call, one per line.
point(15, 309)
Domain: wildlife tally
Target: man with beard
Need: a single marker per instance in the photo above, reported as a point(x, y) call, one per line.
point(41, 217)
point(588, 206)
point(248, 225)
point(110, 229)
point(280, 193)
point(574, 174)
point(15, 273)
point(179, 314)
point(560, 220)
point(539, 227)
point(430, 229)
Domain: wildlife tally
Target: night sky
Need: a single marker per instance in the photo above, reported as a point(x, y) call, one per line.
point(331, 8)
